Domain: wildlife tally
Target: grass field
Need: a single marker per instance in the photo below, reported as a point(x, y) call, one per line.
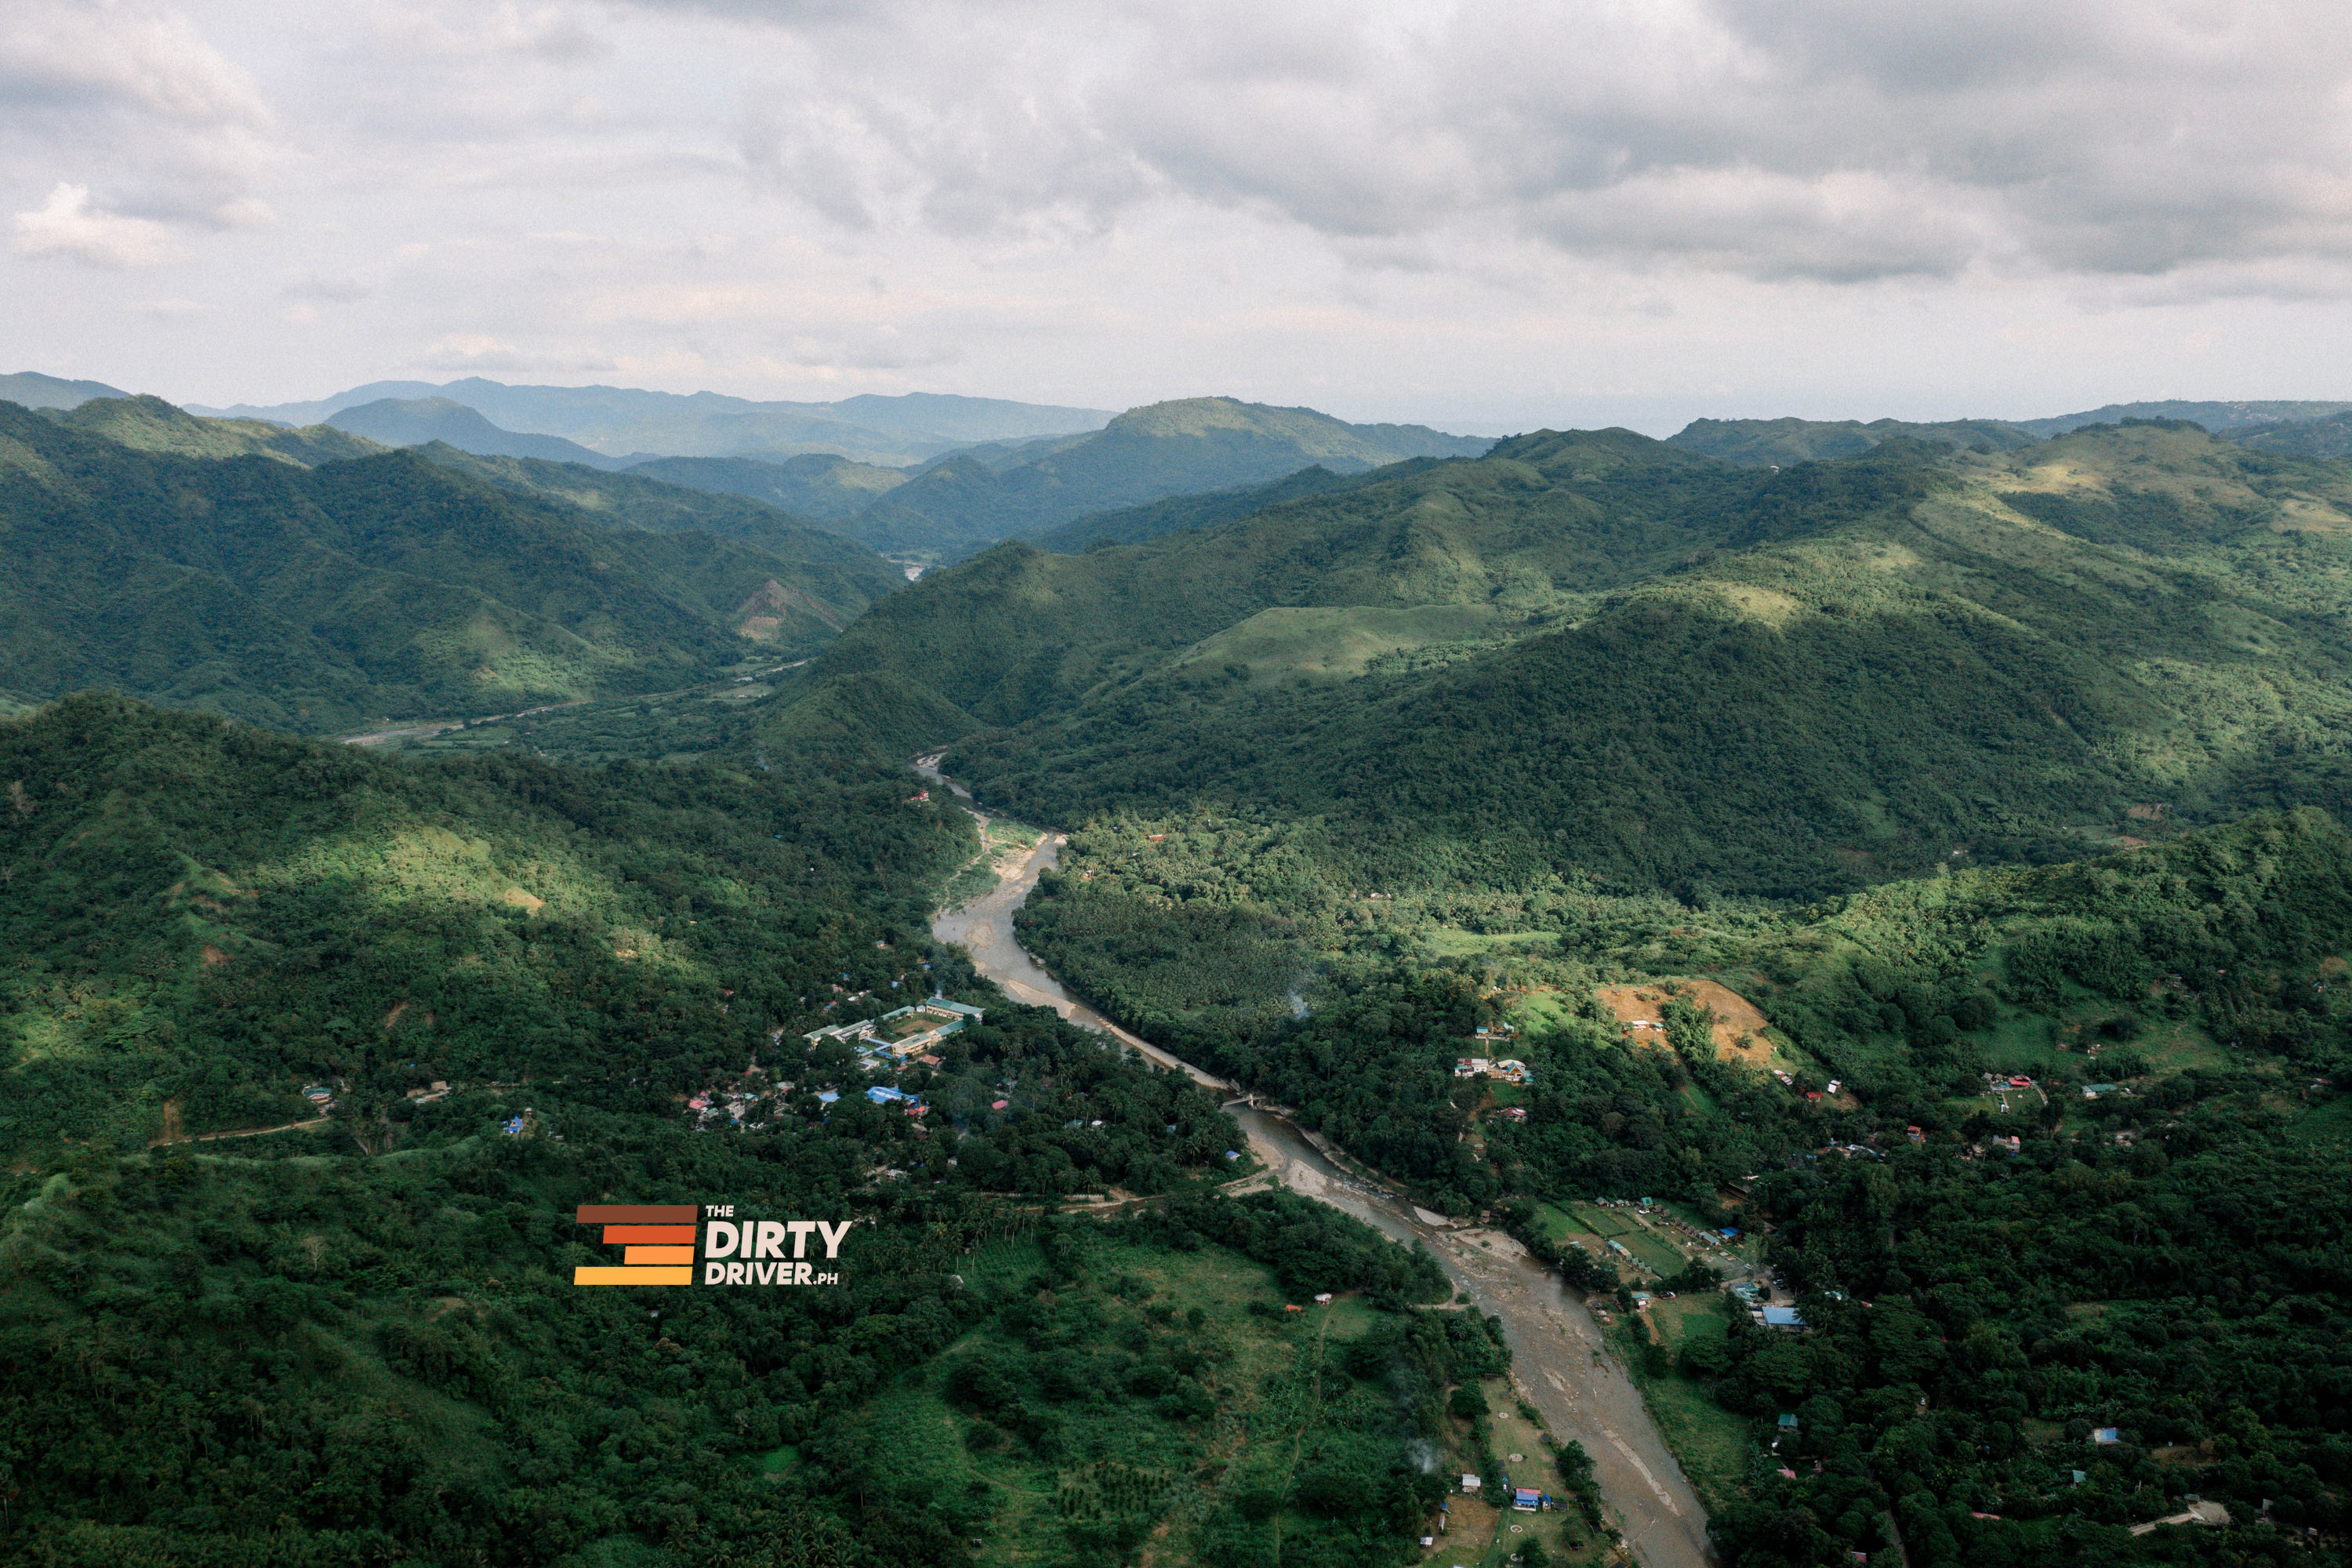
point(1325, 643)
point(1486, 1532)
point(1449, 941)
point(1654, 1254)
point(1710, 1442)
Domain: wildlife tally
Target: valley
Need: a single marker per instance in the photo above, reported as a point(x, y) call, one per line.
point(1532, 888)
point(1547, 1326)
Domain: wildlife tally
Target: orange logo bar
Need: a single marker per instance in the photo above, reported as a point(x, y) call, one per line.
point(658, 1242)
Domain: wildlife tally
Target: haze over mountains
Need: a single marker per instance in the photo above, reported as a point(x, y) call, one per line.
point(618, 421)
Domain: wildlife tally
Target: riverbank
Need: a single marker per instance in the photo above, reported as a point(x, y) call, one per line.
point(1560, 1362)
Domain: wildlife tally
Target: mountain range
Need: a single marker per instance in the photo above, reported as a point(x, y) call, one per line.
point(311, 579)
point(1594, 649)
point(617, 421)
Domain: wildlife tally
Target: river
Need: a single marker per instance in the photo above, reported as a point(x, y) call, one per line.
point(1560, 1361)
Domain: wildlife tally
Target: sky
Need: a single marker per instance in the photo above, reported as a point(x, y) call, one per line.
point(1488, 217)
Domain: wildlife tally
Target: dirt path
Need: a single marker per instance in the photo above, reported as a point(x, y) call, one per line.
point(1559, 1359)
point(244, 1132)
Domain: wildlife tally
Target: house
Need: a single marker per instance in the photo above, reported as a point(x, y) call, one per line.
point(1619, 1248)
point(2018, 1080)
point(2106, 1434)
point(1323, 1300)
point(1513, 1113)
point(1526, 1500)
point(2093, 1090)
point(1470, 1066)
point(828, 1097)
point(883, 1094)
point(1469, 1483)
point(1783, 1317)
point(1787, 1423)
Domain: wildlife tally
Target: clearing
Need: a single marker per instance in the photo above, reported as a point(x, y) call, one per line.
point(1738, 1028)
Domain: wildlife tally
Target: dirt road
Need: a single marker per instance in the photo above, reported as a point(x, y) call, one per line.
point(1554, 1341)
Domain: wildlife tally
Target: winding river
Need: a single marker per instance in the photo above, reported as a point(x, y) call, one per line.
point(1560, 1361)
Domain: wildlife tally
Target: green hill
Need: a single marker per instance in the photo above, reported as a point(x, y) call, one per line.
point(2217, 416)
point(151, 425)
point(815, 486)
point(1599, 653)
point(853, 576)
point(385, 586)
point(2329, 435)
point(966, 500)
point(1133, 525)
point(34, 390)
point(1753, 443)
point(414, 421)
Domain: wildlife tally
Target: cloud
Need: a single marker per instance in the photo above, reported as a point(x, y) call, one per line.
point(135, 97)
point(1840, 140)
point(66, 225)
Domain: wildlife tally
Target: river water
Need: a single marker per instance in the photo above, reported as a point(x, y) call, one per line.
point(1560, 1361)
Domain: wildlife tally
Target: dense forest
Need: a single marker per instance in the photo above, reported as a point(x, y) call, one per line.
point(2164, 1260)
point(208, 564)
point(356, 1341)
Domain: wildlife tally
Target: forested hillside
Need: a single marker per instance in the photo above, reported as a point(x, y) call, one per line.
point(1601, 654)
point(817, 486)
point(205, 564)
point(2160, 1255)
point(839, 571)
point(356, 1341)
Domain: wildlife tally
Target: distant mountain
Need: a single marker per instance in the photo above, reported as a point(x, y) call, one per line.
point(151, 425)
point(413, 422)
point(34, 390)
point(617, 421)
point(854, 574)
point(966, 503)
point(2328, 436)
point(1756, 442)
point(1133, 525)
point(816, 485)
point(385, 585)
point(2217, 417)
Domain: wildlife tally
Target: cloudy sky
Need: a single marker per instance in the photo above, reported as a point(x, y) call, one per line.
point(1488, 216)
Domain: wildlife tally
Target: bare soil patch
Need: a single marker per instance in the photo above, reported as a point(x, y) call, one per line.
point(1738, 1030)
